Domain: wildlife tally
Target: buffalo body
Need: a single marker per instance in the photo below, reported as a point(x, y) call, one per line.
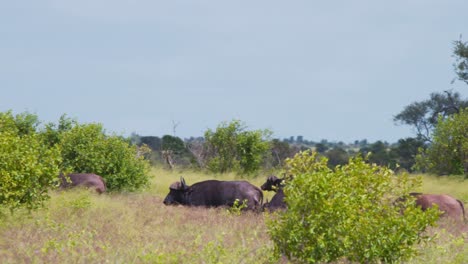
point(213, 193)
point(277, 202)
point(88, 180)
point(451, 207)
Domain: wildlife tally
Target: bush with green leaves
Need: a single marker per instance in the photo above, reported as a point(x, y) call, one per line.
point(347, 213)
point(51, 132)
point(20, 124)
point(28, 168)
point(86, 148)
point(448, 153)
point(233, 148)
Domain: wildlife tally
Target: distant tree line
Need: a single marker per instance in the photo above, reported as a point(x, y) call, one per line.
point(194, 153)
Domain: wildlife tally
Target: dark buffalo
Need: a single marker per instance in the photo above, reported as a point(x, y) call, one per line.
point(273, 183)
point(87, 180)
point(450, 206)
point(213, 193)
point(277, 202)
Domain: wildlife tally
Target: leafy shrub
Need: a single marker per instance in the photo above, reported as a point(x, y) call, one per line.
point(28, 168)
point(449, 149)
point(20, 124)
point(348, 212)
point(51, 132)
point(237, 207)
point(86, 148)
point(232, 148)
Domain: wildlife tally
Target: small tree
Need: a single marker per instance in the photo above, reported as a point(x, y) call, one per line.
point(28, 168)
point(423, 116)
point(86, 148)
point(175, 152)
point(232, 148)
point(405, 152)
point(460, 53)
point(448, 154)
point(347, 213)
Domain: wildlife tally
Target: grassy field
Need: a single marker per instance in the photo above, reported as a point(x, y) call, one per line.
point(82, 227)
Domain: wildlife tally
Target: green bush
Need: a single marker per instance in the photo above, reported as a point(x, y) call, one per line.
point(449, 149)
point(28, 169)
point(232, 148)
point(86, 148)
point(347, 213)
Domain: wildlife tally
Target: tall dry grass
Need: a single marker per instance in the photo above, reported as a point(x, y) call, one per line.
point(82, 227)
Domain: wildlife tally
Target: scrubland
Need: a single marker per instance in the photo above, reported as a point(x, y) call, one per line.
point(82, 227)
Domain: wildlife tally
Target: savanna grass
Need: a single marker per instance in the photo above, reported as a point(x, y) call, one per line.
point(455, 186)
point(78, 226)
point(82, 227)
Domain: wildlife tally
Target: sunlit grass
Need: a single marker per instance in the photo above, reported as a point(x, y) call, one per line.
point(82, 227)
point(455, 186)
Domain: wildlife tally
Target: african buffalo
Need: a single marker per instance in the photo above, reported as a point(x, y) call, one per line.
point(450, 206)
point(87, 180)
point(273, 183)
point(213, 193)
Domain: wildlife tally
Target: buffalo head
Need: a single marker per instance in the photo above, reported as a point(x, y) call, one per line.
point(177, 193)
point(272, 183)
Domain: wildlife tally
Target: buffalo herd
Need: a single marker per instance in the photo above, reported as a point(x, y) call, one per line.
point(214, 193)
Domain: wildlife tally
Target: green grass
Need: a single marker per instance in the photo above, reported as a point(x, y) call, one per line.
point(453, 185)
point(82, 227)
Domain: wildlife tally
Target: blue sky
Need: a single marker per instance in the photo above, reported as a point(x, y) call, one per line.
point(335, 70)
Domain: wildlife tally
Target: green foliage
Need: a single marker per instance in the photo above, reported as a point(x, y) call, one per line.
point(237, 207)
point(51, 132)
point(28, 168)
point(448, 153)
point(381, 154)
point(232, 148)
point(280, 150)
point(424, 115)
point(321, 148)
point(86, 148)
point(251, 150)
point(337, 156)
point(460, 53)
point(405, 152)
point(174, 144)
point(21, 124)
point(347, 213)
